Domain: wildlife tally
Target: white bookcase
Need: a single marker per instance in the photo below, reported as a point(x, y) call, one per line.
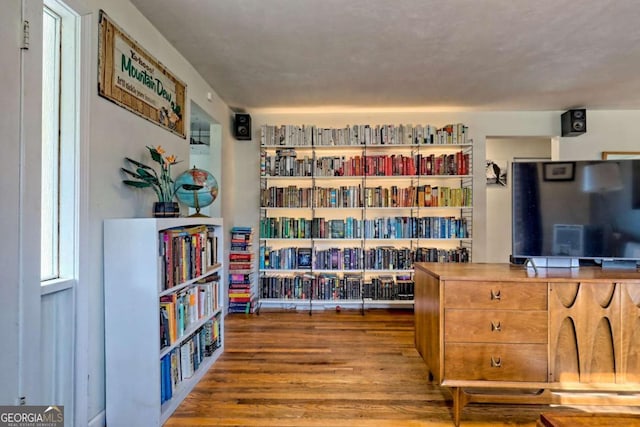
point(134, 282)
point(343, 211)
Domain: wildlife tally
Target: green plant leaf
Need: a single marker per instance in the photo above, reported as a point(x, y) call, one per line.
point(138, 164)
point(137, 184)
point(131, 174)
point(191, 187)
point(157, 157)
point(144, 174)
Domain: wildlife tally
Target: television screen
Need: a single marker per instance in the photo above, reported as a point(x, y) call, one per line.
point(584, 210)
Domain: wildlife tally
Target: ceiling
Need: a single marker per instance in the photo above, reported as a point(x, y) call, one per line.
point(480, 55)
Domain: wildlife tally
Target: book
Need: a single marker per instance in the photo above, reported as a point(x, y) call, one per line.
point(304, 257)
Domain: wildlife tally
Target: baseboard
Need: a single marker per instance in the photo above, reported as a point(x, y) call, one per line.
point(99, 420)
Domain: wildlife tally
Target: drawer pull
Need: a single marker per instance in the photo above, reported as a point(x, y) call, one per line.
point(495, 295)
point(496, 362)
point(496, 327)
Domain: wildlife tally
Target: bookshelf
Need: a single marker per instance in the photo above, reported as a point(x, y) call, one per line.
point(345, 212)
point(163, 313)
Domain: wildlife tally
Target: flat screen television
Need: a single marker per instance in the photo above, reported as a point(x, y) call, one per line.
point(571, 213)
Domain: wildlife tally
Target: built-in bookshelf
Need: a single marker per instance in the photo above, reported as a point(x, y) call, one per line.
point(345, 212)
point(164, 293)
point(241, 271)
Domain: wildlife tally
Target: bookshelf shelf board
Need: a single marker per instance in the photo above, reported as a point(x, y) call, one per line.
point(285, 177)
point(337, 239)
point(329, 271)
point(288, 239)
point(291, 303)
point(370, 241)
point(452, 239)
point(374, 272)
point(421, 208)
point(172, 290)
point(281, 271)
point(388, 303)
point(266, 208)
point(362, 146)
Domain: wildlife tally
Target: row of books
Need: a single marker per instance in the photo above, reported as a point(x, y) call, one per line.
point(240, 290)
point(355, 196)
point(180, 310)
point(397, 227)
point(386, 134)
point(285, 162)
point(461, 254)
point(182, 362)
point(241, 238)
point(325, 287)
point(187, 252)
point(379, 258)
point(241, 297)
point(389, 288)
point(369, 165)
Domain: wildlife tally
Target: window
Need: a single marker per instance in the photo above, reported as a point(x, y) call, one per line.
point(60, 130)
point(50, 208)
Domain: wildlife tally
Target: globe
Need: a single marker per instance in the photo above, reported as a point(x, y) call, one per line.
point(188, 193)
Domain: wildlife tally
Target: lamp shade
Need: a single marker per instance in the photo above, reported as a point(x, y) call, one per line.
point(601, 178)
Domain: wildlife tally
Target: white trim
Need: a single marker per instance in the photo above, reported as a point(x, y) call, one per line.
point(81, 300)
point(52, 286)
point(29, 303)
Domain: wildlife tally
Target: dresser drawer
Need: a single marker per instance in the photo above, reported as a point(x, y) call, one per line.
point(495, 295)
point(495, 326)
point(495, 362)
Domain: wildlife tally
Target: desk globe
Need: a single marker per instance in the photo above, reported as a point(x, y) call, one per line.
point(196, 188)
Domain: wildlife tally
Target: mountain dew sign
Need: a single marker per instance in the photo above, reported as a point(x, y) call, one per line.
point(135, 74)
point(133, 79)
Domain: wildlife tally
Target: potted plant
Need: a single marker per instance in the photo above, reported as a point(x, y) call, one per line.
point(161, 182)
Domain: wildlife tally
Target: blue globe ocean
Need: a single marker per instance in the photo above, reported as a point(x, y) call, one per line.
point(205, 196)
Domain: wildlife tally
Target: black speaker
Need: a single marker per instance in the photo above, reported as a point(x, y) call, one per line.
point(242, 127)
point(574, 122)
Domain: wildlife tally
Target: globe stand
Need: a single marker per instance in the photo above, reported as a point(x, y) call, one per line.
point(197, 207)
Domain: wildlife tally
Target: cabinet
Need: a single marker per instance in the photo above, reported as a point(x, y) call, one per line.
point(164, 328)
point(494, 327)
point(344, 213)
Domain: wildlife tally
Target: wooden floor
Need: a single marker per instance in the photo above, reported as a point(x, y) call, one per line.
point(329, 369)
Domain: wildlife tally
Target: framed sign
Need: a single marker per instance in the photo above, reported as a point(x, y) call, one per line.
point(130, 77)
point(557, 171)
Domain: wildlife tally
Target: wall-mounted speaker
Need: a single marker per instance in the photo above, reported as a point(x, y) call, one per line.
point(574, 122)
point(242, 127)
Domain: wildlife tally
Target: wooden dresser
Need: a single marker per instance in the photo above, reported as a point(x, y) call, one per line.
point(501, 333)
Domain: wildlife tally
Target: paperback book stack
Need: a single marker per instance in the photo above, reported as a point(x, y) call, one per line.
point(241, 296)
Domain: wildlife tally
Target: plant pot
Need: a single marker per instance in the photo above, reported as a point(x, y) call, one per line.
point(166, 210)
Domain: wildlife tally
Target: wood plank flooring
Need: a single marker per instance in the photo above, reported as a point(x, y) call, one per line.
point(329, 369)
